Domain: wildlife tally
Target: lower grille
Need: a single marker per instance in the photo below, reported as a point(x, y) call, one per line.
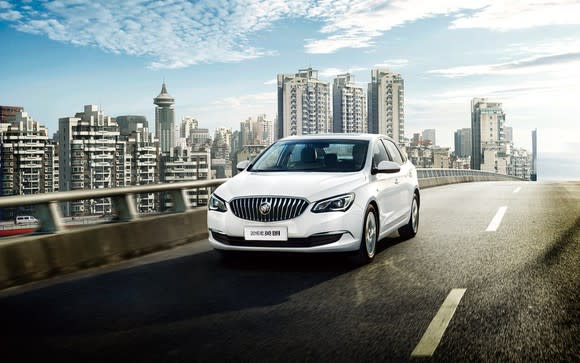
point(311, 241)
point(268, 209)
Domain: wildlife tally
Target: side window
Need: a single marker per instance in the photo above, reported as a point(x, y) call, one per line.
point(379, 154)
point(394, 152)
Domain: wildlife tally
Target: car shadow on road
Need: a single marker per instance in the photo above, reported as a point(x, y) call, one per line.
point(163, 292)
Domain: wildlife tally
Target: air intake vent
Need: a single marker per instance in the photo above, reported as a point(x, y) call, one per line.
point(268, 209)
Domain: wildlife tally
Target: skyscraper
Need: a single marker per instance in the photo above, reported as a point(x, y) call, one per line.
point(508, 133)
point(534, 171)
point(165, 120)
point(429, 134)
point(463, 142)
point(487, 128)
point(349, 112)
point(303, 104)
point(386, 95)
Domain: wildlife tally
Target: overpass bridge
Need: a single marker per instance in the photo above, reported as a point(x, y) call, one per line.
point(498, 288)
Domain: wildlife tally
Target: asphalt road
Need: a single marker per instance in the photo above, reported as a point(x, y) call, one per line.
point(521, 300)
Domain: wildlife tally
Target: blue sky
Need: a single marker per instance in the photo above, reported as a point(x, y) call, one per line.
point(219, 59)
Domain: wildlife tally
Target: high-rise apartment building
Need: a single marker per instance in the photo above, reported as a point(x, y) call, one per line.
point(187, 165)
point(165, 120)
point(188, 124)
point(303, 104)
point(534, 171)
point(487, 129)
point(143, 151)
point(91, 156)
point(222, 143)
point(463, 142)
point(28, 158)
point(429, 135)
point(349, 101)
point(131, 123)
point(8, 112)
point(386, 113)
point(256, 132)
point(508, 133)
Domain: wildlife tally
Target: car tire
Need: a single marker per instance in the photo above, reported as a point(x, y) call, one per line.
point(409, 230)
point(368, 243)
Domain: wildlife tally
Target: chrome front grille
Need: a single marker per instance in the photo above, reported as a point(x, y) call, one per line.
point(281, 208)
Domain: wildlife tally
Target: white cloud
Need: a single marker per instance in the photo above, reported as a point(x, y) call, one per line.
point(7, 13)
point(558, 63)
point(180, 33)
point(393, 63)
point(173, 34)
point(271, 82)
point(506, 15)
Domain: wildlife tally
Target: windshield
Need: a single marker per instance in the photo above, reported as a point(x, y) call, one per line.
point(313, 155)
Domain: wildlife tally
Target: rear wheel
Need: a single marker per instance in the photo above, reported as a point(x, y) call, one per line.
point(410, 229)
point(368, 244)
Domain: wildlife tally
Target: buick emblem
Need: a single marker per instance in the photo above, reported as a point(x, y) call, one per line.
point(265, 208)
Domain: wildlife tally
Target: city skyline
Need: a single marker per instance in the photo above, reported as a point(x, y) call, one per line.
point(448, 53)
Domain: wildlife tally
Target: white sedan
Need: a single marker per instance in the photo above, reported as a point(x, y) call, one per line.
point(318, 193)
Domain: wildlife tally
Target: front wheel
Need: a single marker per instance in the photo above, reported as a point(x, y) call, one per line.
point(409, 230)
point(368, 243)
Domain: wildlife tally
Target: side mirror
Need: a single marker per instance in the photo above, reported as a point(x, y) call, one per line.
point(242, 165)
point(386, 167)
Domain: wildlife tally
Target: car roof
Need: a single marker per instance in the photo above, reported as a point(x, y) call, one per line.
point(335, 136)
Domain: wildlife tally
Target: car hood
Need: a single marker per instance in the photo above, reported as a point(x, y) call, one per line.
point(309, 185)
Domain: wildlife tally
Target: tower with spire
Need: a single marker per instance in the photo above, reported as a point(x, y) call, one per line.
point(165, 120)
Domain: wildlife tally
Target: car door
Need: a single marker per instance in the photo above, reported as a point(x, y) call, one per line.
point(402, 181)
point(386, 190)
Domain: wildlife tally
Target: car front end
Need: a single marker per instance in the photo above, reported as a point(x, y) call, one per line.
point(285, 223)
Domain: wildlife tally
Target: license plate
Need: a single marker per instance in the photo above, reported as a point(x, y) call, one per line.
point(266, 233)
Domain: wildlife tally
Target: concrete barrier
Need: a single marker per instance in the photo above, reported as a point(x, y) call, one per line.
point(37, 257)
point(438, 181)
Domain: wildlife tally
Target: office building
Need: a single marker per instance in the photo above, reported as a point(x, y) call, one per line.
point(534, 171)
point(386, 95)
point(349, 102)
point(487, 129)
point(508, 134)
point(303, 104)
point(165, 120)
point(463, 142)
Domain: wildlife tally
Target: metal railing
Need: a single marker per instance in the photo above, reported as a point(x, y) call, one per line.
point(123, 201)
point(124, 204)
point(423, 173)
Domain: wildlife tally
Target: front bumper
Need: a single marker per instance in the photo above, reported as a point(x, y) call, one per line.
point(310, 232)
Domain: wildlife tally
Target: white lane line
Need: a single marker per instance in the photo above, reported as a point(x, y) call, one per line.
point(436, 329)
point(517, 190)
point(496, 221)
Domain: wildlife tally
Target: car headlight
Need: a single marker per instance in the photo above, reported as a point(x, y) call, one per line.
point(217, 204)
point(340, 203)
